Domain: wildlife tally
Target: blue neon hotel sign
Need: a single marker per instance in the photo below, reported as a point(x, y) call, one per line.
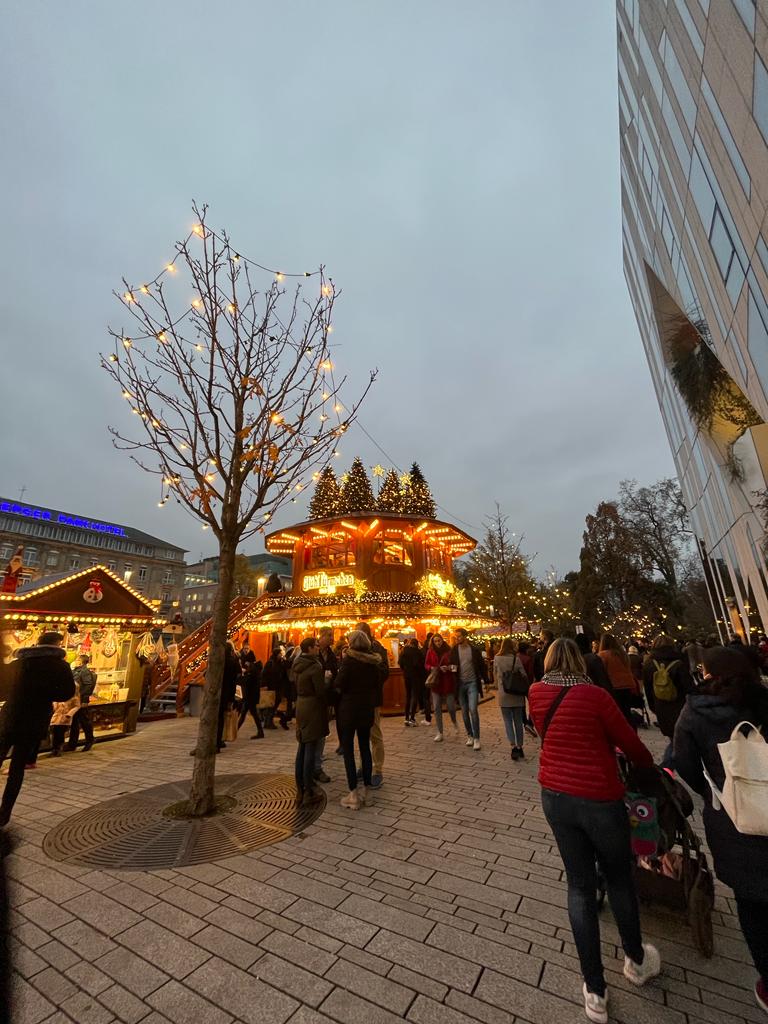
point(29, 512)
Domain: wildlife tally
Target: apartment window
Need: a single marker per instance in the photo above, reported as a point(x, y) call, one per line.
point(93, 562)
point(166, 597)
point(6, 550)
point(721, 243)
point(31, 556)
point(111, 565)
point(52, 559)
point(142, 573)
point(760, 97)
point(168, 578)
point(746, 9)
point(74, 561)
point(127, 571)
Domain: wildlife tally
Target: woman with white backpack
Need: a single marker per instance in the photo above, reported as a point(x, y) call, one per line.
point(721, 757)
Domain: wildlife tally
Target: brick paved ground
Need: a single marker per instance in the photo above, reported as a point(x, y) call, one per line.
point(443, 904)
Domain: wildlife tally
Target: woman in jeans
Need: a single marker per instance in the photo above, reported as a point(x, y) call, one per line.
point(444, 684)
point(512, 705)
point(580, 726)
point(358, 687)
point(731, 693)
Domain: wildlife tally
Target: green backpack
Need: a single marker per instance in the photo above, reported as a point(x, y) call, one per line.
point(663, 687)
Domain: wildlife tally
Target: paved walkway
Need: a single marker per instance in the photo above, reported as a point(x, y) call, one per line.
point(443, 904)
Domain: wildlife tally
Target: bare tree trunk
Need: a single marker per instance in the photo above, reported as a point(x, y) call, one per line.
point(201, 794)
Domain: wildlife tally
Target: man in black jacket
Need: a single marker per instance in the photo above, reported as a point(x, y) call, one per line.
point(41, 676)
point(86, 683)
point(330, 664)
point(377, 738)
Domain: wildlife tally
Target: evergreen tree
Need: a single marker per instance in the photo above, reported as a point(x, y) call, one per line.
point(357, 493)
point(418, 498)
point(390, 495)
point(326, 501)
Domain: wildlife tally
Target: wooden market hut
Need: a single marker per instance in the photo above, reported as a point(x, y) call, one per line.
point(100, 615)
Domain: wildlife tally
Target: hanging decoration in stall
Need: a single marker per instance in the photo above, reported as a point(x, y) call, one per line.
point(109, 649)
point(13, 572)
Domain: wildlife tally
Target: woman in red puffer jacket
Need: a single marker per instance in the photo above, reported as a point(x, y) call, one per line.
point(580, 726)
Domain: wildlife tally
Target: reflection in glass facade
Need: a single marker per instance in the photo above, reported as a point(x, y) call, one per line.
point(693, 119)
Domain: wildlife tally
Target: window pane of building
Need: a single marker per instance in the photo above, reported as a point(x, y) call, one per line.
point(722, 246)
point(760, 97)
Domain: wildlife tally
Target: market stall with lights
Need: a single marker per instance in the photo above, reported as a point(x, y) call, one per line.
point(98, 615)
point(393, 570)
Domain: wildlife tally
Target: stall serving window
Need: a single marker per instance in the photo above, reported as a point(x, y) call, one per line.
point(392, 549)
point(331, 552)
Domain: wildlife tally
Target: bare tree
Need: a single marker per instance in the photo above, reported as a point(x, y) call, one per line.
point(498, 574)
point(236, 403)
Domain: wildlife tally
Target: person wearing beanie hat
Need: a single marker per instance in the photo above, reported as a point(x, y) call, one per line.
point(40, 675)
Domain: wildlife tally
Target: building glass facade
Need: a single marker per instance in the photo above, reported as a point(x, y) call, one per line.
point(693, 120)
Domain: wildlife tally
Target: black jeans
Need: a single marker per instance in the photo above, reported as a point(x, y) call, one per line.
point(58, 732)
point(753, 918)
point(22, 754)
point(589, 831)
point(411, 697)
point(363, 733)
point(305, 766)
point(82, 717)
point(251, 703)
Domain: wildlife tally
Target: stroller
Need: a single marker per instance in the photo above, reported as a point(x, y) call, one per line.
point(670, 866)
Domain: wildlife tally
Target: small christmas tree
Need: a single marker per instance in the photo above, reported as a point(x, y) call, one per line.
point(390, 495)
point(326, 501)
point(417, 497)
point(357, 493)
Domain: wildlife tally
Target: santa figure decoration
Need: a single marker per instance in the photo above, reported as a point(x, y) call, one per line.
point(13, 572)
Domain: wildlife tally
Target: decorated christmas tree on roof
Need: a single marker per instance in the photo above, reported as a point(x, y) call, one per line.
point(416, 496)
point(390, 495)
point(356, 492)
point(326, 501)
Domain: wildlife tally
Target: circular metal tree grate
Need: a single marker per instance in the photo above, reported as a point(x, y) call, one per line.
point(131, 831)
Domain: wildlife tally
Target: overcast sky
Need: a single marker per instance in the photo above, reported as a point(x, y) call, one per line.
point(455, 166)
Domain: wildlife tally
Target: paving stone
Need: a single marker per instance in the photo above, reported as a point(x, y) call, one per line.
point(245, 997)
point(103, 913)
point(228, 946)
point(263, 895)
point(181, 1005)
point(45, 914)
point(30, 935)
point(198, 906)
point(138, 976)
point(291, 979)
point(332, 922)
point(54, 885)
point(54, 986)
point(29, 1005)
point(384, 916)
point(86, 1009)
point(478, 1010)
point(348, 1008)
point(89, 978)
point(294, 949)
point(368, 961)
point(58, 955)
point(373, 987)
point(165, 949)
point(426, 960)
point(397, 868)
point(326, 942)
point(481, 894)
point(175, 919)
point(311, 889)
point(131, 896)
point(123, 1004)
point(418, 983)
point(84, 940)
point(238, 924)
point(306, 1015)
point(488, 953)
point(427, 1011)
point(446, 865)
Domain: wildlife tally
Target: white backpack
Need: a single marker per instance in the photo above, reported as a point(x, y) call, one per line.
point(744, 796)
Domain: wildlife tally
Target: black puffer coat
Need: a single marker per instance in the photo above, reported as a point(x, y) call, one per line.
point(40, 675)
point(741, 861)
point(311, 702)
point(667, 711)
point(358, 684)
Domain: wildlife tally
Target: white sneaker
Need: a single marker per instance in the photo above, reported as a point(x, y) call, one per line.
point(352, 801)
point(595, 1007)
point(470, 741)
point(439, 738)
point(476, 744)
point(638, 974)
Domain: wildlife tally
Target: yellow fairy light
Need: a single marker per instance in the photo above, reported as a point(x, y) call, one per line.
point(276, 417)
point(326, 365)
point(127, 394)
point(197, 303)
point(144, 289)
point(326, 290)
point(127, 342)
point(338, 407)
point(236, 258)
point(210, 477)
point(231, 308)
point(198, 230)
point(183, 447)
point(128, 296)
point(279, 276)
point(323, 417)
point(161, 337)
point(112, 357)
point(199, 347)
point(329, 328)
point(170, 268)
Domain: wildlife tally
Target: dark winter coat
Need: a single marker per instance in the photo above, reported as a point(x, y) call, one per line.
point(597, 671)
point(329, 661)
point(311, 702)
point(86, 682)
point(383, 667)
point(40, 676)
point(667, 711)
point(275, 676)
point(251, 682)
point(229, 679)
point(358, 684)
point(478, 664)
point(411, 661)
point(741, 861)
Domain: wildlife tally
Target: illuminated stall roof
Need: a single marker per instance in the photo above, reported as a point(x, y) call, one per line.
point(89, 596)
point(259, 619)
point(281, 542)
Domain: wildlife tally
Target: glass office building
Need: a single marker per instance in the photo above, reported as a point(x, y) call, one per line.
point(693, 116)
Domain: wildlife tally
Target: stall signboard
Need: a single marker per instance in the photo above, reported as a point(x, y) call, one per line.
point(325, 584)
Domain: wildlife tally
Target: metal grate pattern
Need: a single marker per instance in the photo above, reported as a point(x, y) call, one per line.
point(131, 832)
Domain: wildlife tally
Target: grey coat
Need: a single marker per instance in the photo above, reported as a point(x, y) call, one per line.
point(311, 699)
point(504, 663)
